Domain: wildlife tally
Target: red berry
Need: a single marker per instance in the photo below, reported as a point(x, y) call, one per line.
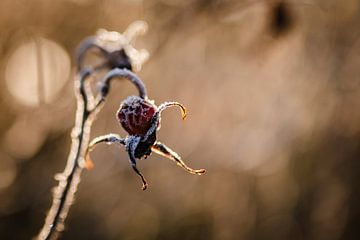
point(135, 115)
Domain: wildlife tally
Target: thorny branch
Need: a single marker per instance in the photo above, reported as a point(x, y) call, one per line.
point(113, 46)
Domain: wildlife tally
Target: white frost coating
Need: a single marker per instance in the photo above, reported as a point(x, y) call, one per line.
point(113, 41)
point(136, 101)
point(135, 29)
point(110, 40)
point(129, 75)
point(165, 105)
point(131, 142)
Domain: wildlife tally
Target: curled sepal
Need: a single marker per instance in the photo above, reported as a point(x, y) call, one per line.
point(155, 122)
point(165, 151)
point(108, 139)
point(166, 105)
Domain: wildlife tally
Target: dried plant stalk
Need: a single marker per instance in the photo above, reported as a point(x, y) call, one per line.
point(63, 194)
point(87, 108)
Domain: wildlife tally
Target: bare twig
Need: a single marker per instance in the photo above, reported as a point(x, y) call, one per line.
point(63, 194)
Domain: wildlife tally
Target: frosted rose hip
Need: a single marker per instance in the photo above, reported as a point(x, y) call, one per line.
point(135, 115)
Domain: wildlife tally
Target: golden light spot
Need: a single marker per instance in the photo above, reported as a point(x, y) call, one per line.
point(36, 71)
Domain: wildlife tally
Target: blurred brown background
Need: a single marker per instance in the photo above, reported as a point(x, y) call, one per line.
point(272, 89)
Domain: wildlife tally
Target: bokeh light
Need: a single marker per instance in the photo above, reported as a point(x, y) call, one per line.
point(36, 71)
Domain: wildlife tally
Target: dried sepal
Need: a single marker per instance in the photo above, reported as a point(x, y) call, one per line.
point(108, 139)
point(166, 105)
point(165, 151)
point(131, 144)
point(155, 122)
